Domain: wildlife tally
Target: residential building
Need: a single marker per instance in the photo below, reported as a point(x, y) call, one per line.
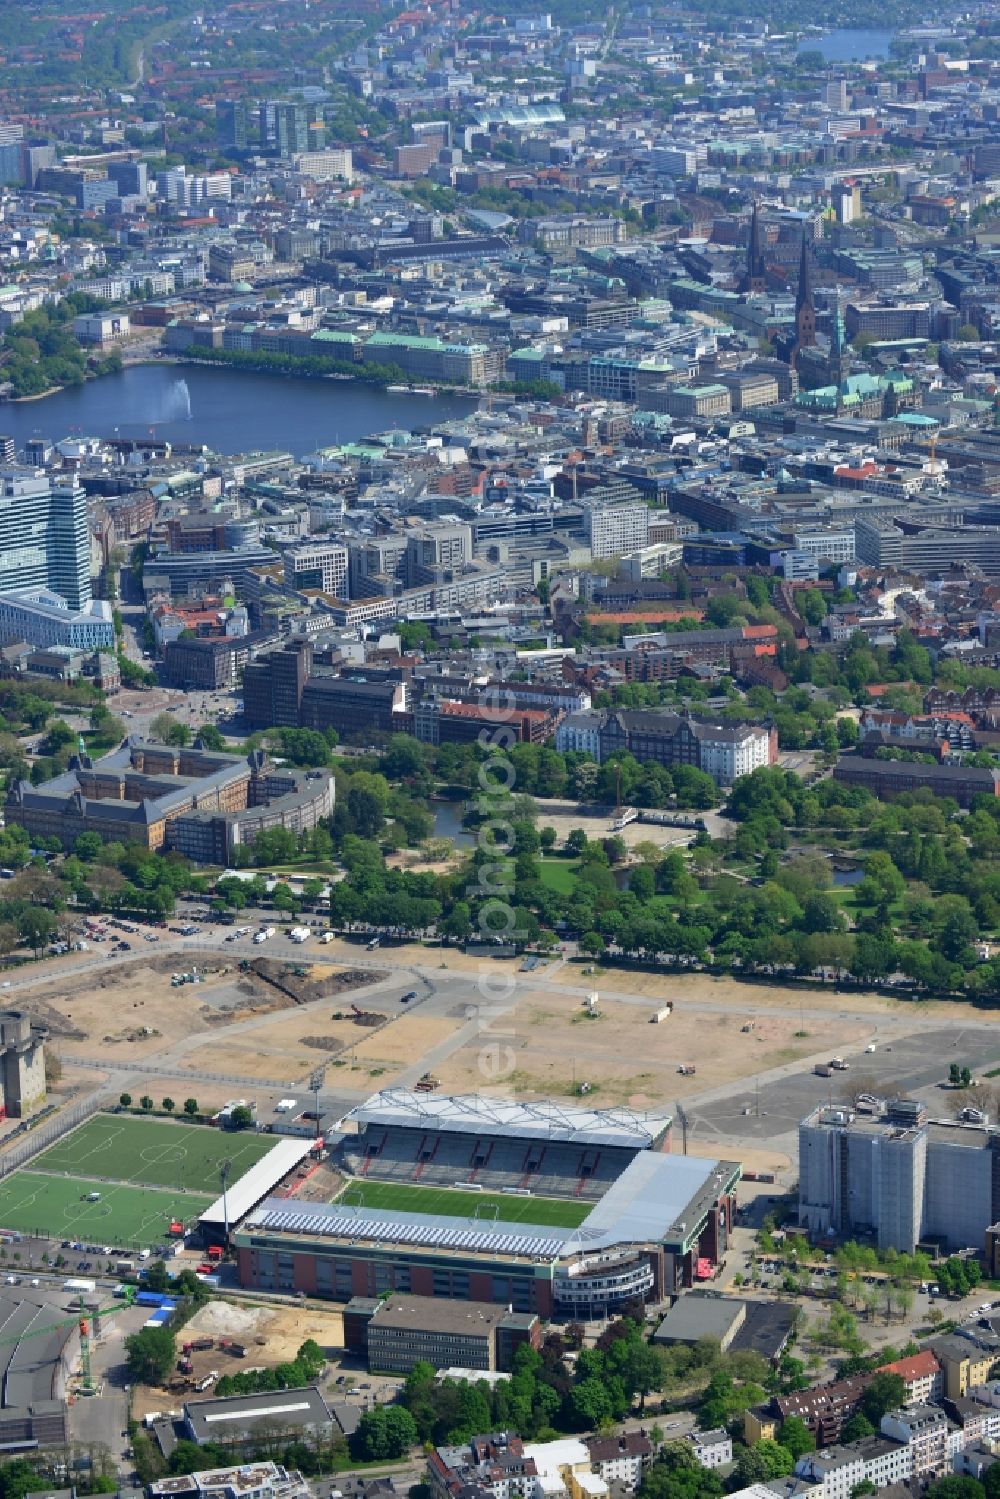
point(713, 1449)
point(924, 1429)
point(879, 1460)
point(613, 530)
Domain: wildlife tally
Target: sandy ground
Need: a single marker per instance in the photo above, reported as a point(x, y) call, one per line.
point(405, 1041)
point(272, 1335)
point(554, 1047)
point(752, 1158)
point(113, 1014)
point(705, 988)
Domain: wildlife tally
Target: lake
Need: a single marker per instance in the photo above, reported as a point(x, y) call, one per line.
point(448, 822)
point(847, 45)
point(230, 411)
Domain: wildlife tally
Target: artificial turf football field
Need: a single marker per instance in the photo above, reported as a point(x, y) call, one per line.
point(153, 1153)
point(56, 1207)
point(147, 1172)
point(449, 1202)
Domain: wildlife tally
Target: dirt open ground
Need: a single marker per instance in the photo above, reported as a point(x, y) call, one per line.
point(271, 1334)
point(555, 1046)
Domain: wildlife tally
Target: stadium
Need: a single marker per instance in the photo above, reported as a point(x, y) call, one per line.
point(546, 1208)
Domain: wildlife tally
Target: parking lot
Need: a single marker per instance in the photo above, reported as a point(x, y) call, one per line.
point(916, 1063)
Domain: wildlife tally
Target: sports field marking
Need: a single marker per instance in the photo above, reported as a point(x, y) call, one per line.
point(124, 1216)
point(154, 1153)
point(448, 1202)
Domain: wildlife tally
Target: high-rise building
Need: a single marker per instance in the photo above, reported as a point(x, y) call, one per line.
point(44, 536)
point(273, 685)
point(291, 129)
point(11, 163)
point(232, 124)
point(130, 177)
point(836, 95)
point(897, 1176)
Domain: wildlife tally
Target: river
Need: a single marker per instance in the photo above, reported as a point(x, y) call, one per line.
point(230, 411)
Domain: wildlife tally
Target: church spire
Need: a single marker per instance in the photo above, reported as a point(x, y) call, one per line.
point(804, 297)
point(805, 310)
point(753, 277)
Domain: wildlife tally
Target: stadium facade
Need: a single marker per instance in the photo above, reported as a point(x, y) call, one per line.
point(657, 1222)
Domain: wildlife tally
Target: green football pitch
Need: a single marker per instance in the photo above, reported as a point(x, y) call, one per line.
point(124, 1217)
point(153, 1153)
point(447, 1202)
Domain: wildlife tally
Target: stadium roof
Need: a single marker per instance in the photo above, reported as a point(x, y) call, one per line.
point(263, 1177)
point(475, 1114)
point(659, 1198)
point(374, 1225)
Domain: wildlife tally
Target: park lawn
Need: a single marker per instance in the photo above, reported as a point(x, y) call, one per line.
point(559, 875)
point(154, 1153)
point(125, 1217)
point(449, 1202)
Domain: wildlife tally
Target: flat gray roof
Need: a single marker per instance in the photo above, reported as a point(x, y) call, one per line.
point(659, 1197)
point(216, 1420)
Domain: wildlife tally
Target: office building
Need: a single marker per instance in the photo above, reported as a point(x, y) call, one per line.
point(200, 803)
point(328, 164)
point(291, 129)
point(350, 705)
point(42, 617)
point(273, 686)
point(725, 749)
point(319, 566)
point(898, 1177)
point(232, 124)
point(401, 1331)
point(44, 537)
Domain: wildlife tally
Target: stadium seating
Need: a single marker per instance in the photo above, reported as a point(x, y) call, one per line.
point(435, 1157)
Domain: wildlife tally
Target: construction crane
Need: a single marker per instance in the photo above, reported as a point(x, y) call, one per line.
point(84, 1324)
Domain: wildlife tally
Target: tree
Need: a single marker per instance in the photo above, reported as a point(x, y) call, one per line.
point(796, 1436)
point(577, 841)
point(190, 1106)
point(677, 1474)
point(150, 1355)
point(886, 1392)
point(145, 1102)
point(125, 1099)
point(168, 1105)
point(856, 1427)
point(766, 1459)
point(241, 1117)
point(384, 1433)
point(36, 926)
point(211, 737)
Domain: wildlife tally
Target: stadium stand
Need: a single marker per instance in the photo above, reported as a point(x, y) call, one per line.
point(542, 1148)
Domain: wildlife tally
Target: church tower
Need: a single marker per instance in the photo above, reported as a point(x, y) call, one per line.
point(805, 309)
point(752, 283)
